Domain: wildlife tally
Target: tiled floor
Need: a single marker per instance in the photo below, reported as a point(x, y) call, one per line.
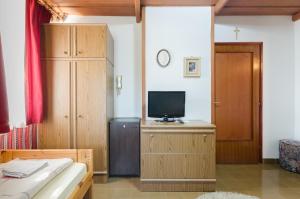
point(264, 181)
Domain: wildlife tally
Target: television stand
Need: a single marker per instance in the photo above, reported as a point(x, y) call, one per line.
point(183, 154)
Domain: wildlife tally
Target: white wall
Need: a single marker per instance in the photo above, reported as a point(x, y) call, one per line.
point(12, 29)
point(297, 80)
point(185, 32)
point(277, 35)
point(127, 45)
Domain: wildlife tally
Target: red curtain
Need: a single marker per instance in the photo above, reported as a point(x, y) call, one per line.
point(4, 122)
point(36, 15)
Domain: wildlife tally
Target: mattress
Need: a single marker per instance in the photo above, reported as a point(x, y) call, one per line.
point(62, 186)
point(30, 186)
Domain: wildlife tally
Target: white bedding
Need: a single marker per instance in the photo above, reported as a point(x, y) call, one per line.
point(64, 184)
point(26, 188)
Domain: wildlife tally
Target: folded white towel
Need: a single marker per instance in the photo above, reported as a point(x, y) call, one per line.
point(17, 196)
point(23, 168)
point(26, 188)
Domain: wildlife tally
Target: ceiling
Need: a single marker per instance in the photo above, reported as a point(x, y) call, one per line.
point(261, 7)
point(95, 7)
point(133, 7)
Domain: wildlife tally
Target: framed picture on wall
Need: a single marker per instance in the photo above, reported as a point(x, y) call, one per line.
point(192, 67)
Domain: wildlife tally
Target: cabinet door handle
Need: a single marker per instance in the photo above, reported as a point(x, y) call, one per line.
point(124, 126)
point(66, 116)
point(80, 116)
point(217, 103)
point(65, 52)
point(80, 52)
point(151, 135)
point(204, 137)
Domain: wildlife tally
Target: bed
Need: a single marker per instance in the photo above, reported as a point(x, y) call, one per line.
point(75, 182)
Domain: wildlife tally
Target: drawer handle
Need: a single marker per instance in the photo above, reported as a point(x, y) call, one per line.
point(152, 135)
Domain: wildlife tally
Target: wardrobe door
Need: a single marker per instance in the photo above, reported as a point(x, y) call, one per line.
point(54, 132)
point(56, 41)
point(90, 41)
point(91, 110)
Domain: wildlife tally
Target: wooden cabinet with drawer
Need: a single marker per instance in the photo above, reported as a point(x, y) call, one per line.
point(177, 157)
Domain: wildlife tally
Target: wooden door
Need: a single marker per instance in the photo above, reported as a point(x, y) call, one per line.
point(91, 110)
point(237, 103)
point(56, 41)
point(54, 132)
point(90, 41)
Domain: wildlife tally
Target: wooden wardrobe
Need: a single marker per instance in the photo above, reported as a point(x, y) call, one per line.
point(78, 78)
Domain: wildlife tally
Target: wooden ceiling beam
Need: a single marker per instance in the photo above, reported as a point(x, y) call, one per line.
point(220, 5)
point(137, 7)
point(92, 3)
point(296, 16)
point(99, 11)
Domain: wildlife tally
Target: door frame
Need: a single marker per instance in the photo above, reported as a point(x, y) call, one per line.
point(213, 91)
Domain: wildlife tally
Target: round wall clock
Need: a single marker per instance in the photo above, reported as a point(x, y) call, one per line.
point(163, 58)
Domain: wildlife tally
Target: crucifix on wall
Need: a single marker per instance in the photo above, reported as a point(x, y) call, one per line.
point(237, 31)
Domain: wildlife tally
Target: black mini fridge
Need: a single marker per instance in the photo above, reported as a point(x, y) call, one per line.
point(124, 147)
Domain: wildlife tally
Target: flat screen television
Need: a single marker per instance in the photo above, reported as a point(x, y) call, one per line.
point(166, 104)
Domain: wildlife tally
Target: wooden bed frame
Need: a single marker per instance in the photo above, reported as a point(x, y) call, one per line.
point(84, 188)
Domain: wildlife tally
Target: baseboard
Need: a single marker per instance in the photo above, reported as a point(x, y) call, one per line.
point(178, 186)
point(100, 179)
point(270, 161)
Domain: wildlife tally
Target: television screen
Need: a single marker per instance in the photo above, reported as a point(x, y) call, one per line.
point(166, 104)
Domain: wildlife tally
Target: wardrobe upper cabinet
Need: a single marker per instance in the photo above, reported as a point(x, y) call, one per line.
point(56, 41)
point(77, 41)
point(90, 41)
